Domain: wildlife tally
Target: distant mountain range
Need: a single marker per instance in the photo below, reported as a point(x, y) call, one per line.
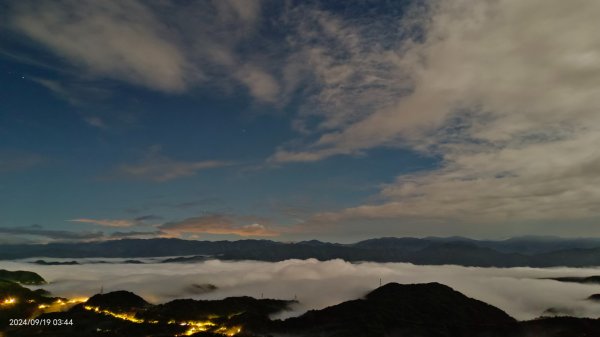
point(521, 251)
point(393, 310)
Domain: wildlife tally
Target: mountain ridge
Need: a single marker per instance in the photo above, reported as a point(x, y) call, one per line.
point(516, 252)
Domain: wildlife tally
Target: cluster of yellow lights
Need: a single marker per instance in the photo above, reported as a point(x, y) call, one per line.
point(126, 317)
point(9, 301)
point(54, 306)
point(77, 300)
point(60, 305)
point(229, 331)
point(198, 326)
point(193, 326)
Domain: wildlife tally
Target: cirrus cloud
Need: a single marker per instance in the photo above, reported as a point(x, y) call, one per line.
point(98, 37)
point(504, 92)
point(177, 45)
point(107, 222)
point(154, 166)
point(39, 231)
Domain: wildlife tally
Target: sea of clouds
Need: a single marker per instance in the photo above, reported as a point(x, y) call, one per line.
point(521, 292)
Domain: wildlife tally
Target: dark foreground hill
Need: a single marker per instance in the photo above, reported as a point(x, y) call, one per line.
point(23, 277)
point(393, 310)
point(118, 301)
point(17, 301)
point(429, 309)
point(526, 251)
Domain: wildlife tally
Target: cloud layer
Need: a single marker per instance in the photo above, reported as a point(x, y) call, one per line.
point(518, 291)
point(505, 93)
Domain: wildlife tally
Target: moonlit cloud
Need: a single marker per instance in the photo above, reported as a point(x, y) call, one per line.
point(163, 169)
point(502, 91)
point(260, 83)
point(176, 47)
point(95, 121)
point(108, 222)
point(99, 37)
point(39, 231)
point(519, 291)
point(501, 95)
point(157, 167)
point(17, 160)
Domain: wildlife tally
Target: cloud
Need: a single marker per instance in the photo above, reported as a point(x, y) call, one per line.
point(177, 46)
point(57, 88)
point(149, 217)
point(95, 121)
point(501, 91)
point(231, 10)
point(178, 205)
point(98, 37)
point(9, 239)
point(159, 168)
point(108, 222)
point(320, 284)
point(138, 221)
point(215, 224)
point(260, 83)
point(78, 92)
point(17, 161)
point(51, 234)
point(164, 169)
point(350, 67)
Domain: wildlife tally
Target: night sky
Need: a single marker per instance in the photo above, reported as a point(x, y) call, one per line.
point(295, 120)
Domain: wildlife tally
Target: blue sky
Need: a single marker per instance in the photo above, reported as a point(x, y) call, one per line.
point(297, 120)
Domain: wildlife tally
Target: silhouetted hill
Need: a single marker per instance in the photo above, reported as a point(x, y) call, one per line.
point(539, 244)
point(120, 301)
point(9, 289)
point(200, 288)
point(556, 327)
point(467, 254)
point(23, 277)
point(186, 259)
point(406, 244)
point(187, 309)
point(573, 279)
point(17, 301)
point(429, 309)
point(55, 263)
